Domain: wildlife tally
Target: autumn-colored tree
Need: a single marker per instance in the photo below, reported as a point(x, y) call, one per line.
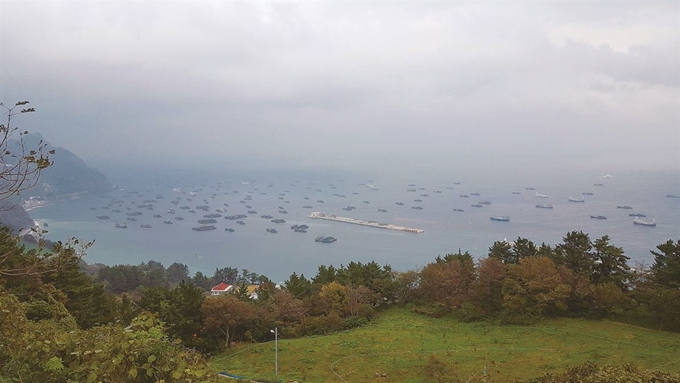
point(287, 309)
point(447, 280)
point(333, 298)
point(358, 300)
point(486, 292)
point(225, 314)
point(533, 288)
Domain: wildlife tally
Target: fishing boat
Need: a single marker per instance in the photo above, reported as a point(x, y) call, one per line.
point(642, 222)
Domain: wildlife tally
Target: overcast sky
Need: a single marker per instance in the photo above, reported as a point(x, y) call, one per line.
point(350, 84)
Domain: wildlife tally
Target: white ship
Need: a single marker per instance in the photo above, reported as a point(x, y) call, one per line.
point(539, 195)
point(640, 221)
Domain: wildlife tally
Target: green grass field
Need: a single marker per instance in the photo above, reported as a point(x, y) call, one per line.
point(400, 344)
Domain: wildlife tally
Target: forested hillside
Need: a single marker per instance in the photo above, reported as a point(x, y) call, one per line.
point(145, 319)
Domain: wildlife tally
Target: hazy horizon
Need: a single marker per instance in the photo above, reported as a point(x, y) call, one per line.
point(372, 87)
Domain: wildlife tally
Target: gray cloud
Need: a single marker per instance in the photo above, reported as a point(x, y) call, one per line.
point(349, 84)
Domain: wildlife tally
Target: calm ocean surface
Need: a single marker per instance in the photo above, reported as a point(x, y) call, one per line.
point(278, 255)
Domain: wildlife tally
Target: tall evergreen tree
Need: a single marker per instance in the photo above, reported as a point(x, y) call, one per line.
point(666, 267)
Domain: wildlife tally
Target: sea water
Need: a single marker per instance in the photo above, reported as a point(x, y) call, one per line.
point(278, 255)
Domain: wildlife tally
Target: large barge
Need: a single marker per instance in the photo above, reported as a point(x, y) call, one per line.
point(380, 225)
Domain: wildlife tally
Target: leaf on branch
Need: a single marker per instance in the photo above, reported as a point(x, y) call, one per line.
point(21, 103)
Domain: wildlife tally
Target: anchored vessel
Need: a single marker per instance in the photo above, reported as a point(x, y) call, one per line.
point(639, 221)
point(331, 217)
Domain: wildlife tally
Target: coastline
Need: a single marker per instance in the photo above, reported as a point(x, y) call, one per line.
point(36, 201)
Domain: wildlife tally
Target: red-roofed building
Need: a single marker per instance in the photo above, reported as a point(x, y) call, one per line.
point(220, 289)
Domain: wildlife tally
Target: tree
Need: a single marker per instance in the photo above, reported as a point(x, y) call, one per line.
point(666, 267)
point(333, 300)
point(487, 290)
point(21, 166)
point(121, 278)
point(611, 265)
point(524, 248)
point(448, 279)
point(88, 302)
point(202, 281)
point(183, 314)
point(533, 288)
point(325, 275)
point(226, 274)
point(177, 272)
point(370, 275)
point(224, 314)
point(299, 286)
point(406, 286)
point(502, 250)
point(139, 352)
point(574, 252)
point(287, 308)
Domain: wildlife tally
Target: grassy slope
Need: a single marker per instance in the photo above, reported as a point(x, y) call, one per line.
point(399, 343)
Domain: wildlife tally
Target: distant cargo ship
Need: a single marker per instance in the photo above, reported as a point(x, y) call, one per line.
point(503, 218)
